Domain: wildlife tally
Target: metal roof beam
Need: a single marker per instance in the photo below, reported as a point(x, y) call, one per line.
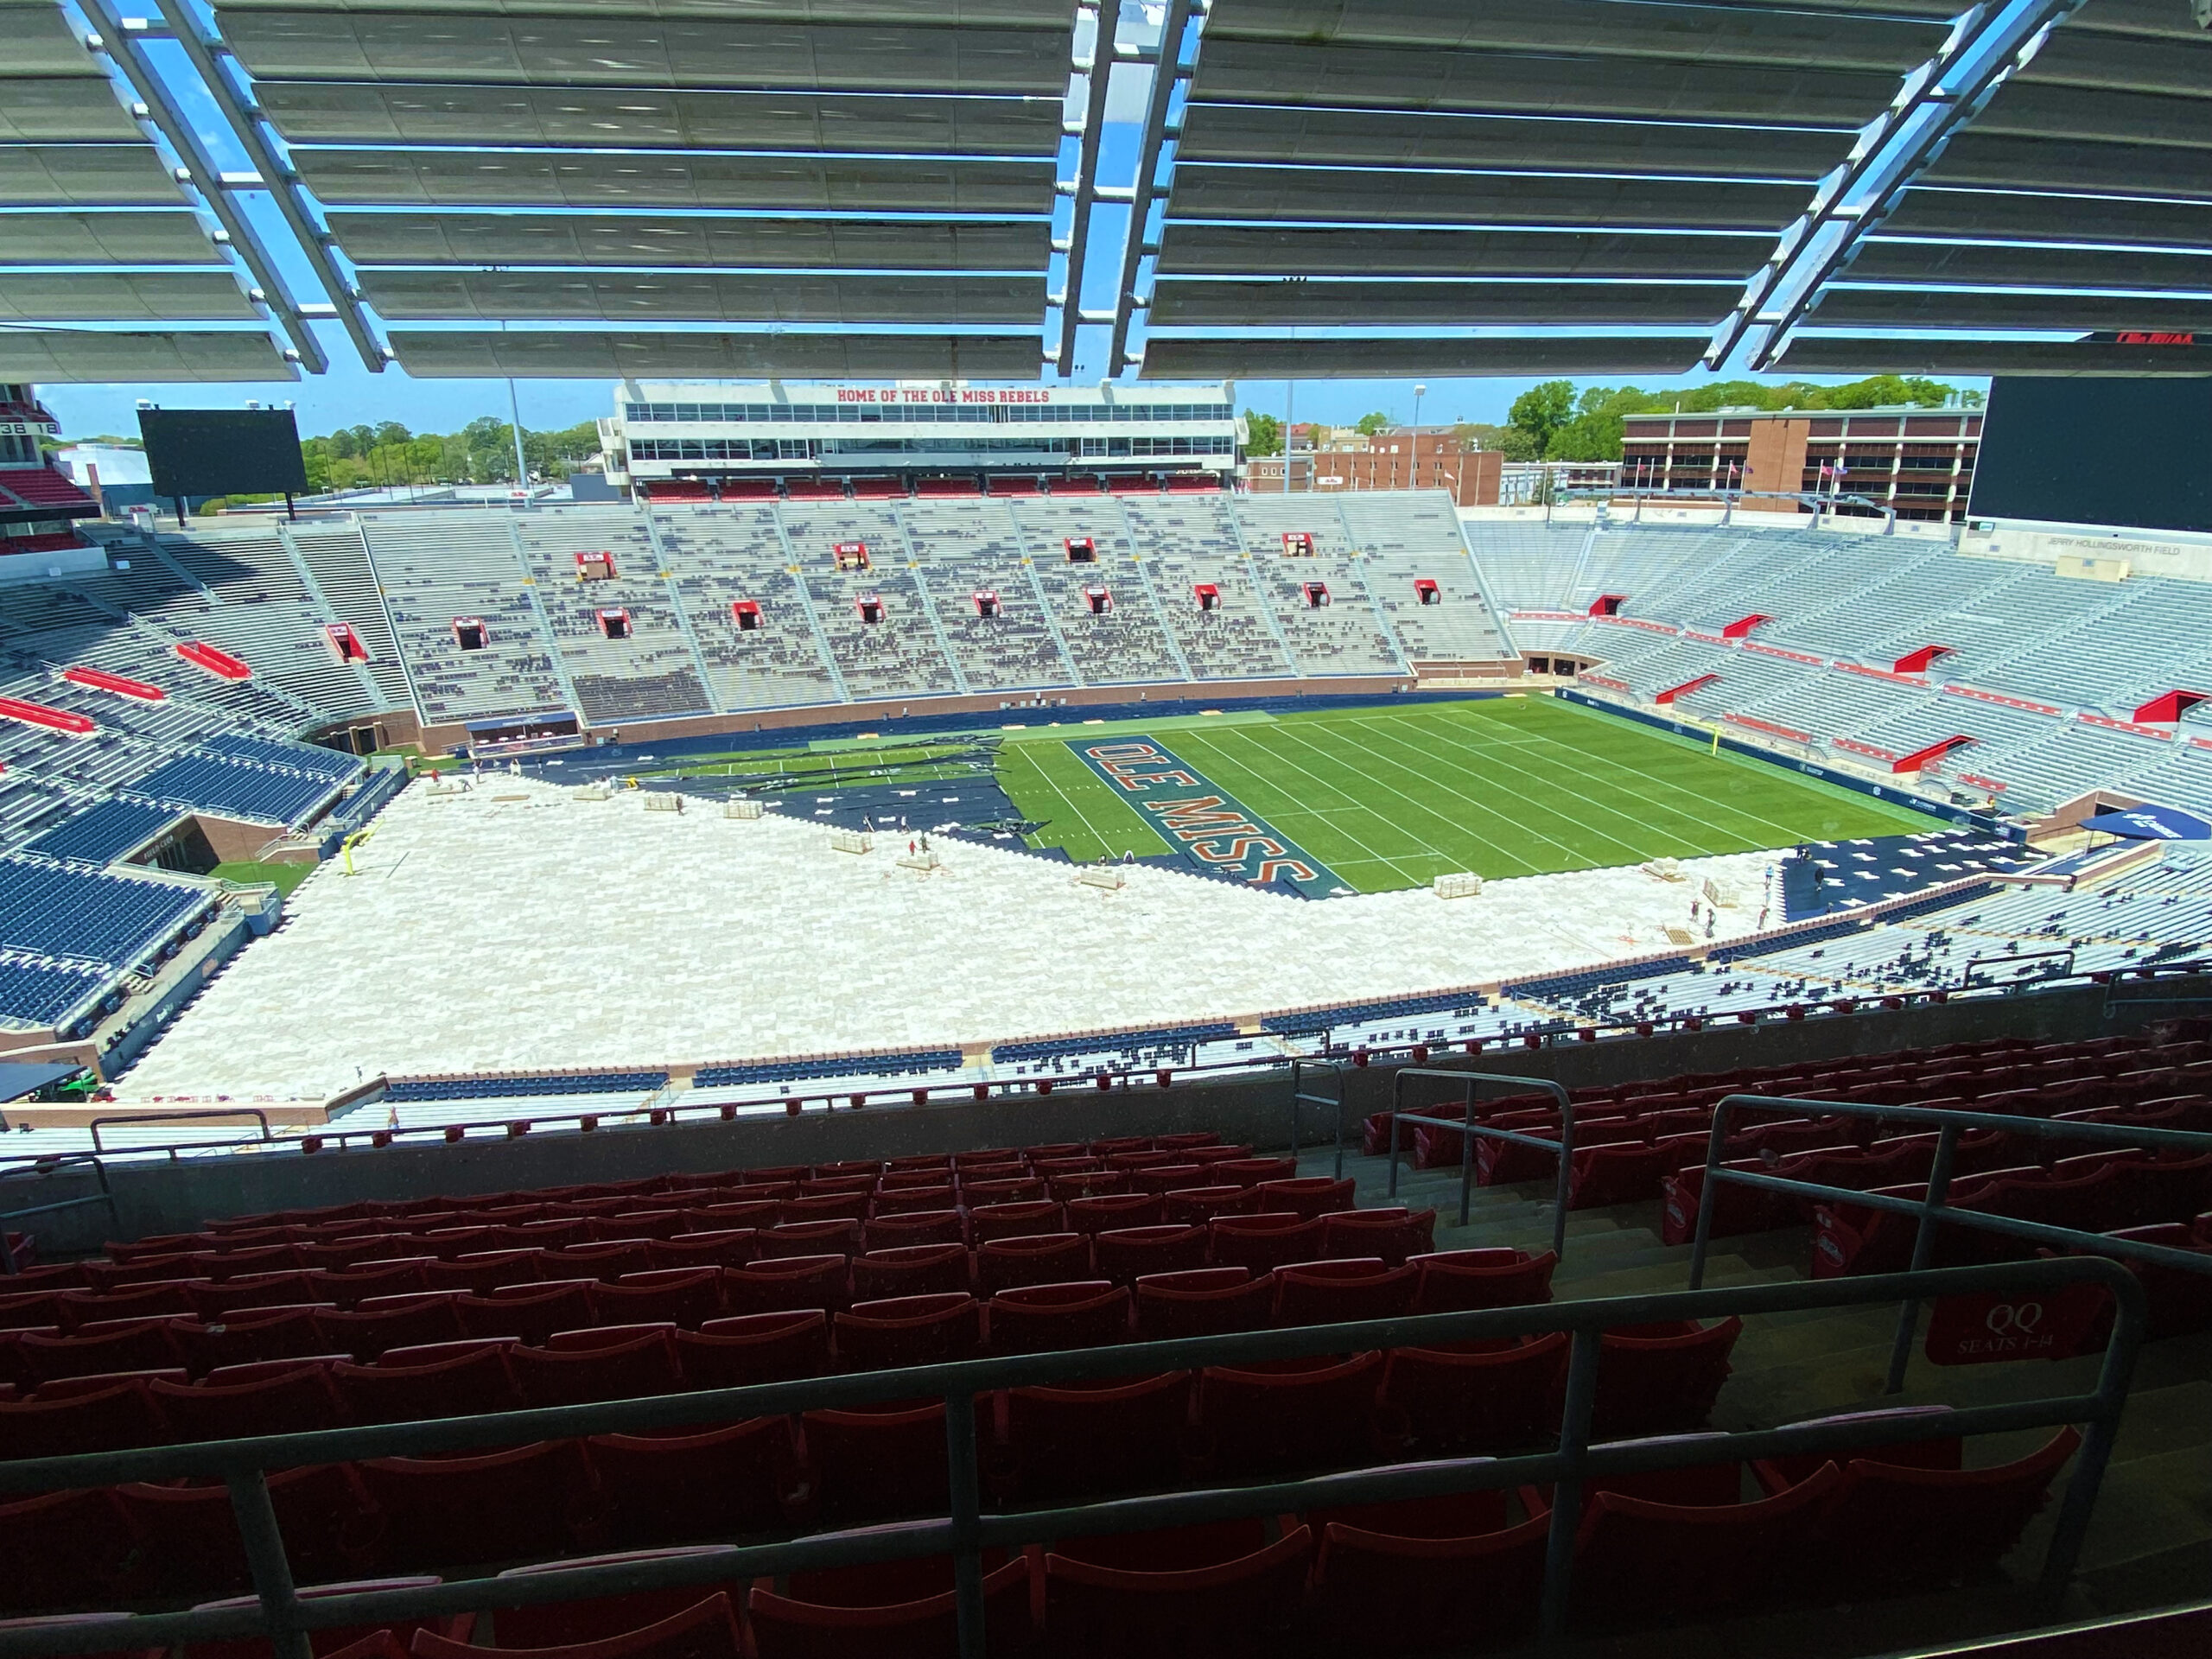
point(1109, 13)
point(1170, 69)
point(126, 54)
point(283, 186)
point(1988, 43)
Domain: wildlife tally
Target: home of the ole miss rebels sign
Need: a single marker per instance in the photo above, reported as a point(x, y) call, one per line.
point(1201, 820)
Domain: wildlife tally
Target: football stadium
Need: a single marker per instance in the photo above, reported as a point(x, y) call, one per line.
point(936, 990)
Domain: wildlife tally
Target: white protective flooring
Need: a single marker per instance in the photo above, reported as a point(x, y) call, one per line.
point(516, 926)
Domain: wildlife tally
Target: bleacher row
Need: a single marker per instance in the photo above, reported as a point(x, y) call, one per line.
point(657, 1291)
point(945, 486)
point(1957, 937)
point(676, 571)
point(2042, 649)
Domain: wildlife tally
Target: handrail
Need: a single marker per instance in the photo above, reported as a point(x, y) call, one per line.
point(1300, 1095)
point(9, 1266)
point(281, 1617)
point(1931, 1208)
point(253, 1112)
point(1563, 1148)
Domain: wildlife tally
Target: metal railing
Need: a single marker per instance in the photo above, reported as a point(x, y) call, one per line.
point(1562, 1148)
point(9, 1266)
point(118, 1120)
point(1932, 1209)
point(1301, 1096)
point(281, 1616)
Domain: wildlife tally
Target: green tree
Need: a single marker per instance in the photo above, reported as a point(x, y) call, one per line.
point(1368, 426)
point(1264, 433)
point(1541, 410)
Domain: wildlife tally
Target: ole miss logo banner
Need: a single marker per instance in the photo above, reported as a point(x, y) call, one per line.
point(1201, 820)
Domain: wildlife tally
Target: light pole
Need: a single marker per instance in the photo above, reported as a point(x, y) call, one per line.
point(1419, 391)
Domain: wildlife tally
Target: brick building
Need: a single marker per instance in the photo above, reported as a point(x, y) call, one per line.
point(1919, 462)
point(1402, 458)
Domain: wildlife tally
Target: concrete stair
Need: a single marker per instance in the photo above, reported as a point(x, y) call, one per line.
point(2149, 1544)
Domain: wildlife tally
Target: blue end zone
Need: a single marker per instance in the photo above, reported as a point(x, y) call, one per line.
point(1201, 820)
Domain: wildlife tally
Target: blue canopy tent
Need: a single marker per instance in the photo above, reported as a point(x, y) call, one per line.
point(2151, 823)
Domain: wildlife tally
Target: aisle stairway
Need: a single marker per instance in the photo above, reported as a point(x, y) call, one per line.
point(2151, 1541)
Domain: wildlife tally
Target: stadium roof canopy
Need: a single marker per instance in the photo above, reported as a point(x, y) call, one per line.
point(840, 187)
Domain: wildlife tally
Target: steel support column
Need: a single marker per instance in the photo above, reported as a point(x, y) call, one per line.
point(1986, 44)
point(1167, 68)
point(277, 177)
point(1086, 181)
point(121, 47)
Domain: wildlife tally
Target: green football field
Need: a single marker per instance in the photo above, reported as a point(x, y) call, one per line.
point(1391, 796)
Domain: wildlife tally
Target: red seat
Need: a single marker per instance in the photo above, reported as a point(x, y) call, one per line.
point(708, 1631)
point(168, 1297)
point(902, 1610)
point(248, 1338)
point(1279, 1417)
point(1218, 1591)
point(1203, 1302)
point(62, 1549)
point(1635, 1558)
point(787, 1282)
point(808, 1238)
point(188, 1540)
point(495, 1506)
point(1068, 1187)
point(1887, 1527)
point(735, 1353)
point(682, 1296)
point(1046, 1319)
point(133, 1345)
point(1477, 1396)
point(217, 1301)
point(1083, 1441)
point(1410, 1577)
point(325, 1643)
point(104, 1419)
point(988, 1190)
point(1263, 1243)
point(910, 1270)
point(1250, 1172)
point(1122, 1255)
point(1458, 1281)
point(559, 1625)
point(382, 1322)
point(908, 1331)
point(1661, 1379)
point(1040, 1259)
point(882, 1463)
point(483, 1271)
point(944, 1226)
point(1337, 1292)
point(1115, 1210)
point(645, 1364)
point(289, 1399)
point(719, 1247)
point(1392, 1235)
point(1196, 1206)
point(465, 1384)
point(369, 1276)
point(1308, 1196)
point(1018, 1219)
point(710, 1483)
point(895, 1196)
point(529, 1313)
point(816, 1209)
